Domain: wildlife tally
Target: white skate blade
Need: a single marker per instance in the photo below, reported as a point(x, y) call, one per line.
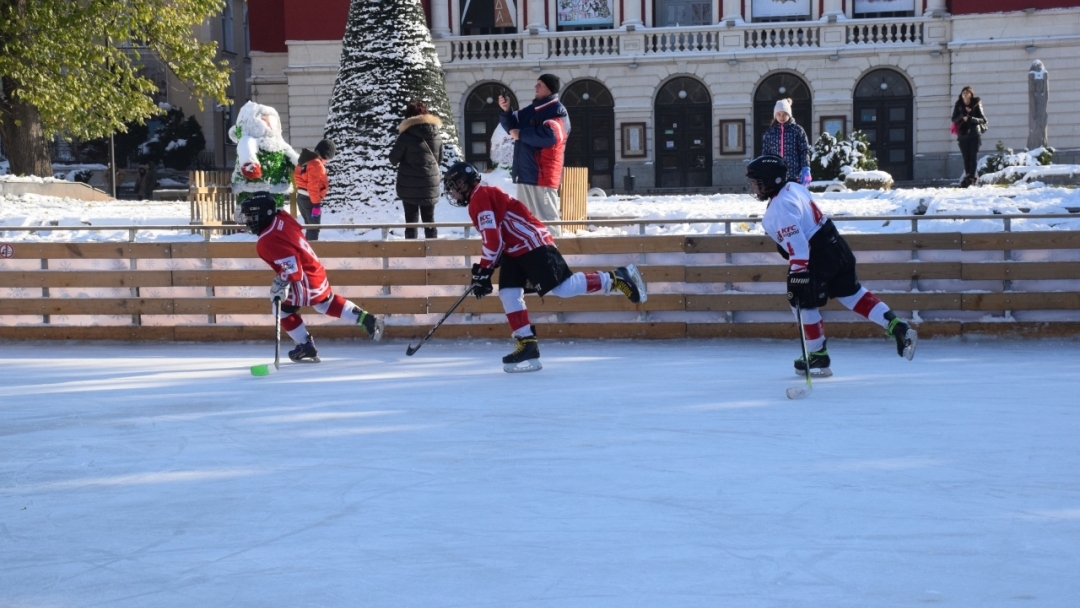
point(309, 360)
point(909, 350)
point(638, 281)
point(380, 326)
point(528, 365)
point(798, 392)
point(820, 372)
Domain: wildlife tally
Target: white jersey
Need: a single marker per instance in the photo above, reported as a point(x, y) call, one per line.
point(791, 219)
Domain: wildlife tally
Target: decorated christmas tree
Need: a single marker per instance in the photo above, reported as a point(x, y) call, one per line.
point(387, 59)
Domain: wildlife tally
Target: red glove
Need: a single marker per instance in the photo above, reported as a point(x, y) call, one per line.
point(251, 171)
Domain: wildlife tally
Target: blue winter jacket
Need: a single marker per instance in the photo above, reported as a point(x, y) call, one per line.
point(538, 152)
point(796, 149)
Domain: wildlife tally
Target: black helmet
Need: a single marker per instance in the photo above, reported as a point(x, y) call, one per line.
point(326, 149)
point(460, 179)
point(258, 211)
point(767, 174)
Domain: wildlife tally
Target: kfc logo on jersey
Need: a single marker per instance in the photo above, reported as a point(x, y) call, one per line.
point(786, 232)
point(485, 220)
point(288, 265)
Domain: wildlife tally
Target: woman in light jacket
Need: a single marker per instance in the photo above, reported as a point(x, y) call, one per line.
point(416, 153)
point(970, 123)
point(788, 141)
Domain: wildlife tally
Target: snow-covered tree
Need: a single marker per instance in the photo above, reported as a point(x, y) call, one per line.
point(833, 158)
point(387, 60)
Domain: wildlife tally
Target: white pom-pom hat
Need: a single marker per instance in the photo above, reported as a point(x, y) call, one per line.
point(784, 105)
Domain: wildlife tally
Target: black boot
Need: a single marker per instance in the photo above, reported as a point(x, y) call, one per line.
point(903, 334)
point(372, 325)
point(628, 281)
point(306, 352)
point(526, 356)
point(819, 363)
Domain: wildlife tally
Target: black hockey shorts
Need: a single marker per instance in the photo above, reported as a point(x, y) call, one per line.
point(832, 265)
point(539, 270)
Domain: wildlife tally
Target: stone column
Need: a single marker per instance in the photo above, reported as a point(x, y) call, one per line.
point(440, 19)
point(537, 18)
point(935, 8)
point(631, 14)
point(836, 7)
point(732, 11)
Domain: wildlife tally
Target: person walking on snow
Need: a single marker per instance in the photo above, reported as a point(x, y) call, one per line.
point(301, 279)
point(787, 140)
point(539, 132)
point(312, 183)
point(820, 263)
point(519, 243)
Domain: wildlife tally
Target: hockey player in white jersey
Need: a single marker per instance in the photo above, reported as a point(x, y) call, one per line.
point(820, 263)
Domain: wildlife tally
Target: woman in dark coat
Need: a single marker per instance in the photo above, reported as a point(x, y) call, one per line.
point(416, 153)
point(970, 123)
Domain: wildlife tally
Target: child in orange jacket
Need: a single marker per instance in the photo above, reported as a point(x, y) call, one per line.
point(312, 184)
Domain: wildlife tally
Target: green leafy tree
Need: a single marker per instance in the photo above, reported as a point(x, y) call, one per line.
point(65, 70)
point(387, 59)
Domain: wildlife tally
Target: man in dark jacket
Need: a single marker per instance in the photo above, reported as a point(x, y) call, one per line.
point(539, 132)
point(417, 153)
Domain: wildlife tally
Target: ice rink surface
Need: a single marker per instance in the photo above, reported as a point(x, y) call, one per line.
point(624, 474)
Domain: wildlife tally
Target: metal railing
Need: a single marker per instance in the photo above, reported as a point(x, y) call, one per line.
point(641, 223)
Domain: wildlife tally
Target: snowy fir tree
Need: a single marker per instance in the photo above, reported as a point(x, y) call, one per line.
point(387, 60)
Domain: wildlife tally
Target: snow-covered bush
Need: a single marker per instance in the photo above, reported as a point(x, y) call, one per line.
point(868, 180)
point(1005, 166)
point(502, 149)
point(832, 156)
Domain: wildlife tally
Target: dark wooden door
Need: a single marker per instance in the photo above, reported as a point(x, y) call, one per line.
point(883, 107)
point(592, 131)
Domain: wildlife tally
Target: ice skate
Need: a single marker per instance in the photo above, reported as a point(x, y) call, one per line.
point(819, 364)
point(525, 358)
point(628, 281)
point(371, 324)
point(905, 338)
point(305, 353)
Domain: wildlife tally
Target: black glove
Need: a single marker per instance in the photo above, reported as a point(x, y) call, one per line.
point(800, 289)
point(481, 281)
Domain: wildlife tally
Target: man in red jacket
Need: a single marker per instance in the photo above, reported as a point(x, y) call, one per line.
point(301, 279)
point(519, 244)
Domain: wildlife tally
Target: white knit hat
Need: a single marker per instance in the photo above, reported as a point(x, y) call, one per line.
point(784, 105)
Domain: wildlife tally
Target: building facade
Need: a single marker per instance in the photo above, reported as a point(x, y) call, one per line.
point(677, 93)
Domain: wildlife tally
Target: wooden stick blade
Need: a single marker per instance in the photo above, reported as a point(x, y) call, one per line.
point(798, 392)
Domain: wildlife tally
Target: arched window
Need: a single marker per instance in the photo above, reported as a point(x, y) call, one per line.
point(592, 131)
point(481, 119)
point(883, 107)
point(777, 87)
point(683, 134)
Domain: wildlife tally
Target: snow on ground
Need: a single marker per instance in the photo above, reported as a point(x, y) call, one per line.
point(623, 474)
point(33, 210)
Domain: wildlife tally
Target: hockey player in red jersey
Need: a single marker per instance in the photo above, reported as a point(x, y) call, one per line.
point(820, 263)
point(301, 279)
point(521, 246)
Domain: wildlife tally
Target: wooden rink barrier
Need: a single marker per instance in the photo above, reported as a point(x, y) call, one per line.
point(695, 276)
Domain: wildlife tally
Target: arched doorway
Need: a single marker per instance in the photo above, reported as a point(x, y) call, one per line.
point(592, 131)
point(683, 135)
point(883, 111)
point(481, 119)
point(773, 89)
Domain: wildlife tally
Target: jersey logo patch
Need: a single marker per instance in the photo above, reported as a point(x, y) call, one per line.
point(485, 220)
point(288, 265)
point(786, 232)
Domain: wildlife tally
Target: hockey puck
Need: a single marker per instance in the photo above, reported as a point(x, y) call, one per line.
point(262, 370)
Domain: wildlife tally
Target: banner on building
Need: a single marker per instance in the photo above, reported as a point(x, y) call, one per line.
point(505, 13)
point(781, 8)
point(863, 7)
point(592, 13)
point(489, 13)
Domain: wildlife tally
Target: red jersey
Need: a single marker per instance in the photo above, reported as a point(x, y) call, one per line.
point(505, 225)
point(282, 245)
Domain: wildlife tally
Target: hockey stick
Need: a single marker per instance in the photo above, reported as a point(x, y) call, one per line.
point(264, 369)
point(277, 333)
point(798, 392)
point(412, 349)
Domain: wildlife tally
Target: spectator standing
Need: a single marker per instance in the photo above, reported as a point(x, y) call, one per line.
point(788, 141)
point(970, 123)
point(539, 132)
point(146, 182)
point(417, 153)
point(312, 184)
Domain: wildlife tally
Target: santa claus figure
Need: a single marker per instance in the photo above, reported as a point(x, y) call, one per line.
point(264, 161)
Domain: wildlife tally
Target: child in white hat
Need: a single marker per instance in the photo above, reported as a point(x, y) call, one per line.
point(787, 140)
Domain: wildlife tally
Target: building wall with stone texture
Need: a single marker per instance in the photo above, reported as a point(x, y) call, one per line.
point(990, 52)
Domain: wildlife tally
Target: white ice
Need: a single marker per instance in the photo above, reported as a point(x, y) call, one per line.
point(624, 474)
